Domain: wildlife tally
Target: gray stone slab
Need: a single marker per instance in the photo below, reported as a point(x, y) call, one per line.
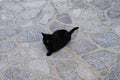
point(61, 5)
point(114, 74)
point(81, 47)
point(80, 3)
point(13, 73)
point(70, 70)
point(30, 14)
point(42, 77)
point(101, 60)
point(64, 17)
point(106, 39)
point(92, 13)
point(14, 57)
point(101, 4)
point(91, 26)
point(31, 35)
point(114, 12)
point(12, 6)
point(7, 46)
point(6, 24)
point(7, 33)
point(61, 54)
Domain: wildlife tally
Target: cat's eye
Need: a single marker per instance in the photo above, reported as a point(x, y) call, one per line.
point(47, 41)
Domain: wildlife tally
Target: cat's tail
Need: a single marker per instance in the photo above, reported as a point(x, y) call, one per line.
point(73, 30)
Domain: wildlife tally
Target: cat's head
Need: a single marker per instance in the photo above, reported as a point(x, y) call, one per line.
point(46, 38)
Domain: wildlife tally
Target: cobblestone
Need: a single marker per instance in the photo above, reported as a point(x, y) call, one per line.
point(30, 14)
point(91, 26)
point(114, 12)
point(92, 53)
point(101, 59)
point(114, 74)
point(15, 74)
point(9, 33)
point(30, 36)
point(15, 57)
point(13, 6)
point(6, 46)
point(101, 4)
point(39, 65)
point(65, 18)
point(45, 78)
point(106, 39)
point(80, 3)
point(70, 70)
point(92, 13)
point(34, 4)
point(81, 44)
point(45, 19)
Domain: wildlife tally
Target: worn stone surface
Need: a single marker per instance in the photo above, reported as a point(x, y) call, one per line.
point(39, 65)
point(101, 59)
point(114, 74)
point(8, 17)
point(45, 78)
point(49, 7)
point(56, 25)
point(62, 5)
point(13, 73)
point(79, 3)
point(70, 70)
point(45, 19)
point(31, 35)
point(34, 4)
point(30, 14)
point(92, 13)
point(9, 33)
point(7, 46)
point(6, 24)
point(27, 24)
point(106, 39)
point(63, 53)
point(117, 30)
point(13, 6)
point(109, 22)
point(92, 53)
point(101, 4)
point(91, 26)
point(2, 66)
point(65, 18)
point(1, 0)
point(114, 12)
point(81, 44)
point(15, 57)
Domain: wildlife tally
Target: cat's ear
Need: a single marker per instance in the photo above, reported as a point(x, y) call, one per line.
point(43, 34)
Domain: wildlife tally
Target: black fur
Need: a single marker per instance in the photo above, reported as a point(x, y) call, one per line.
point(57, 40)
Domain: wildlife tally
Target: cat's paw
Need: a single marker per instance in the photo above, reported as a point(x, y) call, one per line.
point(48, 54)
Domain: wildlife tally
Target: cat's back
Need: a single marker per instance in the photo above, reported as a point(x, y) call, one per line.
point(62, 36)
point(60, 32)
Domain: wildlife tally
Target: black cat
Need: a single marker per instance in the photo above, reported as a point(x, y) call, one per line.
point(57, 40)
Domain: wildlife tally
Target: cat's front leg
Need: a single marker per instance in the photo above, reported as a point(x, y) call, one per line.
point(49, 53)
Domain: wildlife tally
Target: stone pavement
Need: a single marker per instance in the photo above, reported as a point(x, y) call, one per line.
point(92, 54)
